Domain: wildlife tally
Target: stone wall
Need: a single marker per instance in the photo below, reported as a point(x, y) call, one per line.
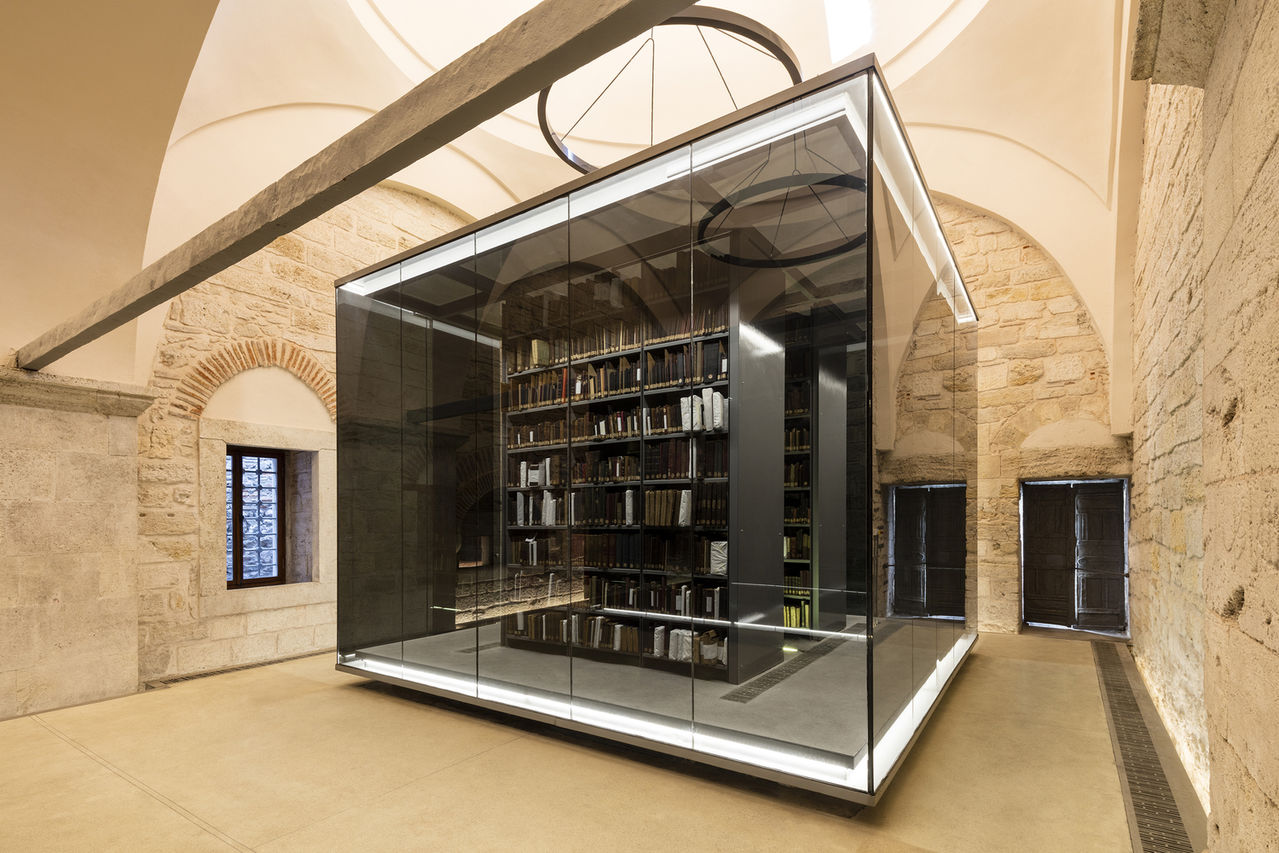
point(274, 308)
point(1167, 533)
point(1241, 427)
point(68, 540)
point(1042, 393)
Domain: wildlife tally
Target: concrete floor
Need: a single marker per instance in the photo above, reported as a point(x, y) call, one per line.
point(296, 756)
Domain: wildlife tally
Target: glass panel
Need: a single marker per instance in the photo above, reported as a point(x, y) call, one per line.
point(370, 414)
point(249, 463)
point(919, 307)
point(266, 463)
point(526, 631)
point(781, 225)
point(447, 468)
point(632, 500)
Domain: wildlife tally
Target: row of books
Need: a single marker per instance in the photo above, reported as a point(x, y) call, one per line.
point(794, 582)
point(533, 473)
point(607, 550)
point(669, 460)
point(617, 376)
point(531, 509)
point(549, 431)
point(797, 438)
point(797, 615)
point(703, 555)
point(796, 473)
point(601, 632)
point(535, 551)
point(797, 545)
point(798, 398)
point(706, 410)
point(593, 466)
point(615, 423)
point(601, 507)
point(699, 600)
point(712, 505)
point(669, 508)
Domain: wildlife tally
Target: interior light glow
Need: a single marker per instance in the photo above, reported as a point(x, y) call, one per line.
point(775, 759)
point(674, 735)
point(894, 741)
point(848, 27)
point(540, 218)
point(374, 281)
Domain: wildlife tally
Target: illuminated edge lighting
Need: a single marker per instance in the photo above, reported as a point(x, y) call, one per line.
point(895, 740)
point(782, 122)
point(672, 735)
point(952, 289)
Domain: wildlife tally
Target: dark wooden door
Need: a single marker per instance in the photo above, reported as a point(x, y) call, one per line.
point(1048, 554)
point(946, 551)
point(1073, 566)
point(1100, 567)
point(909, 507)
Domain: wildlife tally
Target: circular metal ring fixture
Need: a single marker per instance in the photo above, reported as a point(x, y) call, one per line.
point(694, 16)
point(788, 182)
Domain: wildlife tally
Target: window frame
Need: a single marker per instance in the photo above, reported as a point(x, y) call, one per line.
point(237, 453)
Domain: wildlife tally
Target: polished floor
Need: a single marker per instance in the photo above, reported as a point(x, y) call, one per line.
point(298, 757)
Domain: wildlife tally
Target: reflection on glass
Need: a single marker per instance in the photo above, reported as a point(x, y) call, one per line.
point(632, 444)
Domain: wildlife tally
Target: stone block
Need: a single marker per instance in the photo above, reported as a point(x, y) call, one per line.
point(295, 641)
point(91, 477)
point(253, 648)
point(26, 428)
point(26, 475)
point(276, 620)
point(1065, 368)
point(204, 656)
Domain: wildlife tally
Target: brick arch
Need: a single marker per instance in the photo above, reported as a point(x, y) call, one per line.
point(207, 375)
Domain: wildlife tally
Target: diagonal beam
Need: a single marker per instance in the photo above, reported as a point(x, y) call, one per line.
point(534, 51)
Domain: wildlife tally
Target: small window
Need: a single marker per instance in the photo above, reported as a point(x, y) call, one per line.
point(255, 523)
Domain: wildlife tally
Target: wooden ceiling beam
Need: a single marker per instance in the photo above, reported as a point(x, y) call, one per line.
point(535, 50)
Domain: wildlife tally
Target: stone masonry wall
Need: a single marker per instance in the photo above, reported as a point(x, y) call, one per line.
point(68, 537)
point(274, 308)
point(1240, 257)
point(1167, 532)
point(1042, 393)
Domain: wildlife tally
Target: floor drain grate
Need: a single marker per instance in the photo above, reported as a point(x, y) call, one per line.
point(1152, 809)
point(483, 647)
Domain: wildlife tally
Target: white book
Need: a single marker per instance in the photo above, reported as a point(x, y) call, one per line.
point(695, 403)
point(630, 506)
point(659, 641)
point(572, 508)
point(524, 474)
point(548, 508)
point(708, 408)
point(617, 639)
point(648, 421)
point(719, 558)
point(685, 507)
point(717, 410)
point(519, 621)
point(686, 413)
point(519, 509)
point(534, 475)
point(546, 472)
point(715, 604)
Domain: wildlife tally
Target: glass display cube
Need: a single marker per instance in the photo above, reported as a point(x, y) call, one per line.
point(623, 457)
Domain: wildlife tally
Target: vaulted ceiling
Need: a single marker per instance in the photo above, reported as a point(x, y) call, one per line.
point(1018, 107)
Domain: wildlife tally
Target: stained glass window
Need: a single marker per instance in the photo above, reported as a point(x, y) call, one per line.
point(254, 516)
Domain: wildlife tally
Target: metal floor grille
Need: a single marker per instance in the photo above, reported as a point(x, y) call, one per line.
point(778, 674)
point(1152, 809)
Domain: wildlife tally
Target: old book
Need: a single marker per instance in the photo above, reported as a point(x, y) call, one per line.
point(719, 558)
point(686, 413)
point(695, 403)
point(717, 410)
point(685, 507)
point(630, 506)
point(708, 408)
point(541, 353)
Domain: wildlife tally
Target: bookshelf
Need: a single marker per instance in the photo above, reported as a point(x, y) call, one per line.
point(617, 437)
point(799, 601)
